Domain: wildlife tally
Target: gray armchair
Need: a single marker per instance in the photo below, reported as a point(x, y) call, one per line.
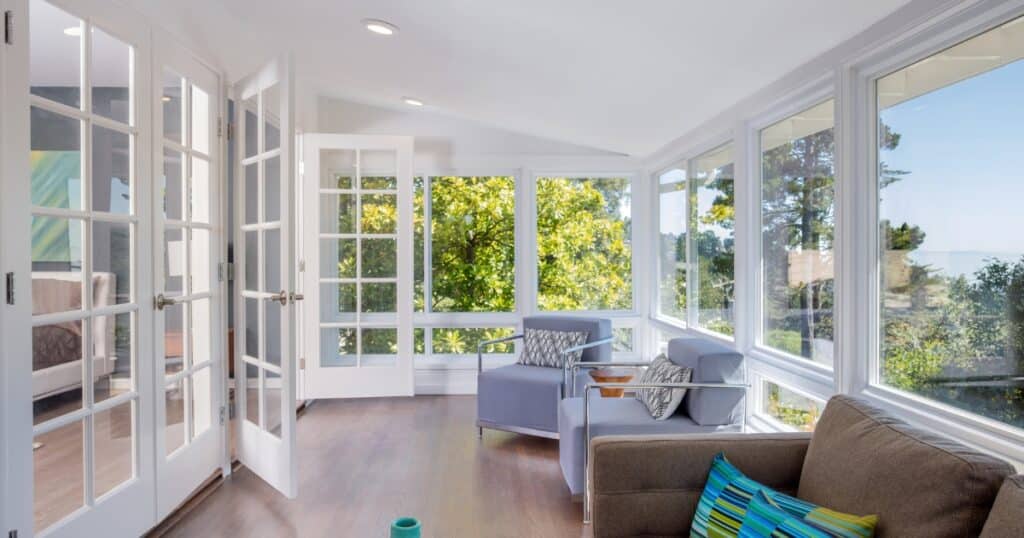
point(714, 403)
point(524, 399)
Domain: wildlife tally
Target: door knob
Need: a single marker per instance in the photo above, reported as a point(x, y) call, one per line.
point(295, 297)
point(161, 301)
point(279, 297)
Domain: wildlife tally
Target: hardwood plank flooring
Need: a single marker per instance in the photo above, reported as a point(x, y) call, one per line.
point(362, 463)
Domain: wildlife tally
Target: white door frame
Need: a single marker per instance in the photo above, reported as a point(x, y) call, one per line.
point(371, 381)
point(269, 456)
point(16, 488)
point(179, 474)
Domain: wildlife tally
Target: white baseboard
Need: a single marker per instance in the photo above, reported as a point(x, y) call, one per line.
point(445, 381)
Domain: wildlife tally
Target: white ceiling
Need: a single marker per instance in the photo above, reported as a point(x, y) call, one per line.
point(610, 74)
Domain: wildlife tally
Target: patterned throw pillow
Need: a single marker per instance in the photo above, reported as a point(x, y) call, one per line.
point(722, 508)
point(662, 403)
point(542, 347)
point(766, 519)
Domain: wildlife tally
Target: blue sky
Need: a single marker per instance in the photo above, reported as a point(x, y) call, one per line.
point(964, 148)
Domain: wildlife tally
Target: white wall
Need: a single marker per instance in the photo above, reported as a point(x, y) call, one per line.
point(445, 142)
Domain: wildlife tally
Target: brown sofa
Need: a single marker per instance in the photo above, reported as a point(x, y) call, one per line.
point(860, 460)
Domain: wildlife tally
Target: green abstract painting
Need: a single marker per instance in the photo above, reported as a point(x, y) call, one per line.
point(56, 183)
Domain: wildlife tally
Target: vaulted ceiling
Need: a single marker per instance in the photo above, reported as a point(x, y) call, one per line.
point(610, 74)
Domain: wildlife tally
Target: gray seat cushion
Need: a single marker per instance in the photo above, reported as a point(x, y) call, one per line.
point(861, 460)
point(521, 396)
point(611, 416)
point(596, 329)
point(711, 363)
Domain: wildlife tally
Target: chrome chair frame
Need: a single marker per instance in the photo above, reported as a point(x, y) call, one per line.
point(567, 385)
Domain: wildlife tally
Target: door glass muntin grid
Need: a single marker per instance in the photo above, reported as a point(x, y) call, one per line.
point(91, 233)
point(191, 240)
point(359, 331)
point(261, 230)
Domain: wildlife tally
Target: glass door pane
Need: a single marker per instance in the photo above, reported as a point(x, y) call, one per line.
point(189, 256)
point(84, 258)
point(358, 258)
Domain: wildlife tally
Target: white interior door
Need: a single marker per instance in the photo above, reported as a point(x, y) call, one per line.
point(265, 302)
point(358, 277)
point(189, 304)
point(82, 216)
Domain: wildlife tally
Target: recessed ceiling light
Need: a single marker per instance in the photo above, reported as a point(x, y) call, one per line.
point(73, 31)
point(411, 101)
point(378, 26)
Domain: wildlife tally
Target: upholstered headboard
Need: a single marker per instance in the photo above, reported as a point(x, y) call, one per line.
point(61, 342)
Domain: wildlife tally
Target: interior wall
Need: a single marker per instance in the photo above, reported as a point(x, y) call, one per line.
point(445, 142)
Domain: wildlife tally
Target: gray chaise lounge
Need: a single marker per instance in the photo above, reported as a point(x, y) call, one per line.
point(524, 399)
point(713, 404)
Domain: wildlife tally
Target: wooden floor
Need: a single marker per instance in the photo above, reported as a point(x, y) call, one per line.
point(362, 463)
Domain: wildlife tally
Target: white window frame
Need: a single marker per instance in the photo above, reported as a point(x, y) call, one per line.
point(861, 319)
point(638, 265)
point(759, 418)
point(847, 75)
point(814, 93)
point(690, 327)
point(693, 291)
point(526, 283)
point(429, 321)
point(655, 273)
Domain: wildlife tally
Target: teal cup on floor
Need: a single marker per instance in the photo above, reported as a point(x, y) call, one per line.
point(405, 527)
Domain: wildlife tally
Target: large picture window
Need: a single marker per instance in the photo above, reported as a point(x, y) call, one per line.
point(949, 206)
point(584, 250)
point(464, 229)
point(798, 231)
point(713, 222)
point(672, 218)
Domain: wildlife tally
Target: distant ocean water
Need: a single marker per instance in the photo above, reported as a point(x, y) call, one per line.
point(961, 262)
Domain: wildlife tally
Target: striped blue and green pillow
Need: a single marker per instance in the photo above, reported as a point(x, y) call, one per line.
point(765, 519)
point(728, 493)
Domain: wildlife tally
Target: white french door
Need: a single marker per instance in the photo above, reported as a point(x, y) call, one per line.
point(189, 301)
point(265, 298)
point(81, 211)
point(358, 277)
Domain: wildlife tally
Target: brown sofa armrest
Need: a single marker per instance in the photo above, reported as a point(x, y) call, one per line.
point(650, 485)
point(1005, 518)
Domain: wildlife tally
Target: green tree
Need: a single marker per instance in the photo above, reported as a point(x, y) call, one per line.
point(584, 255)
point(798, 216)
point(715, 249)
point(473, 244)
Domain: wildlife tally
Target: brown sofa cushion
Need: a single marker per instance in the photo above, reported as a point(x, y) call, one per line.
point(863, 461)
point(650, 485)
point(1007, 516)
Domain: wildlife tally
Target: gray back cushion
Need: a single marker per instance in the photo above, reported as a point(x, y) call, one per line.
point(596, 329)
point(861, 460)
point(711, 362)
